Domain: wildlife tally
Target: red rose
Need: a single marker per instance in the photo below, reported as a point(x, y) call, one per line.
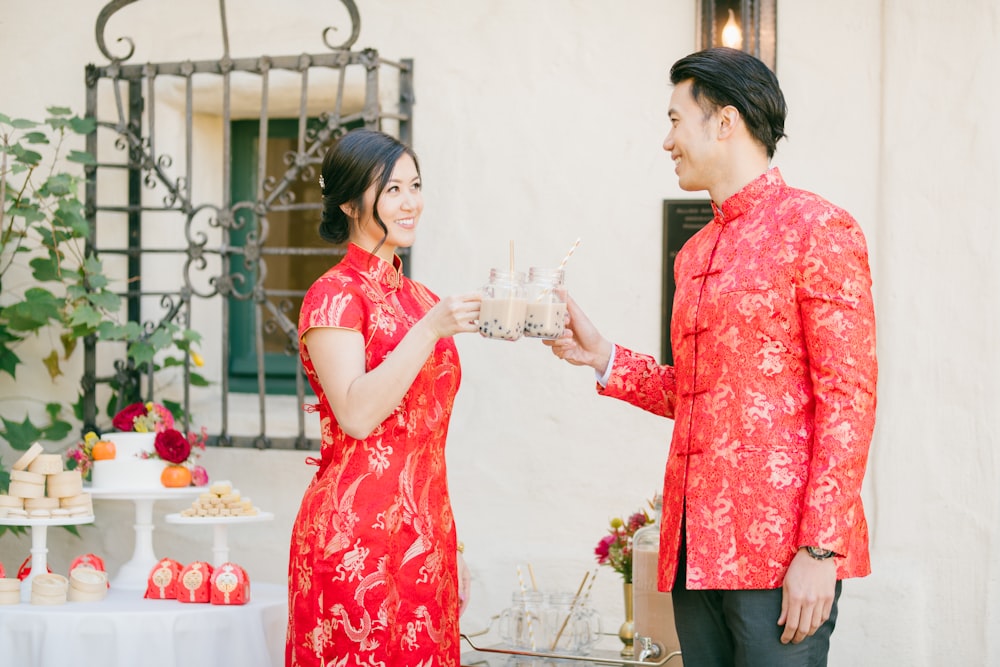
point(124, 420)
point(172, 446)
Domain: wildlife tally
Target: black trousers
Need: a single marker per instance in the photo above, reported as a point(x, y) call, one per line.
point(719, 628)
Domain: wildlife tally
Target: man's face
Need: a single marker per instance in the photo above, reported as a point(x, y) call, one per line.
point(691, 141)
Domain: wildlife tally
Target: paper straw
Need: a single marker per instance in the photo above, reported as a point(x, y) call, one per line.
point(512, 259)
point(572, 249)
point(562, 265)
point(572, 608)
point(586, 594)
point(531, 573)
point(524, 594)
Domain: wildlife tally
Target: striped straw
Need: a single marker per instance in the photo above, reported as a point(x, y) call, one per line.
point(562, 264)
point(527, 612)
point(586, 594)
point(572, 610)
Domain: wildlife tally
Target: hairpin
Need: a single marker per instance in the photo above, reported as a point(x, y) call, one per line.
point(322, 184)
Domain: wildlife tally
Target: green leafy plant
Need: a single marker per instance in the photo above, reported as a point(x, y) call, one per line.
point(61, 288)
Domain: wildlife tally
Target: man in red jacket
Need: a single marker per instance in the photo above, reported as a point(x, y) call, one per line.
point(773, 387)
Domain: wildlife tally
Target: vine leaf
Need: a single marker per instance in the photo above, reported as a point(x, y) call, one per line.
point(52, 364)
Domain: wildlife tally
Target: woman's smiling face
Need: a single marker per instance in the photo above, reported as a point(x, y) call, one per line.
point(399, 207)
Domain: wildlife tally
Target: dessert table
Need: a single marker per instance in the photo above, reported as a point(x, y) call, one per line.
point(125, 630)
point(133, 574)
point(39, 546)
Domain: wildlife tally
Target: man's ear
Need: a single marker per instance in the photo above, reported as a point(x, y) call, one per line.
point(729, 119)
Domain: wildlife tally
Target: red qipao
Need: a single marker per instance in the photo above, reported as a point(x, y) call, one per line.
point(772, 391)
point(372, 570)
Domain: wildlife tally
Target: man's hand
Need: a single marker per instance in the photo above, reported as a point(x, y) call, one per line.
point(581, 344)
point(807, 595)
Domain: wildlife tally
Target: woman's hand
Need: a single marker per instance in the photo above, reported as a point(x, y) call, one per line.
point(581, 344)
point(361, 399)
point(455, 314)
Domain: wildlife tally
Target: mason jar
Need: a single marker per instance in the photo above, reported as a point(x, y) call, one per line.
point(501, 314)
point(545, 315)
point(522, 623)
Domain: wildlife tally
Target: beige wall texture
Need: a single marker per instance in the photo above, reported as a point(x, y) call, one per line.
point(542, 122)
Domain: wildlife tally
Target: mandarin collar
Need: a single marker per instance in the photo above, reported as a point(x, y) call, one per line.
point(748, 197)
point(376, 268)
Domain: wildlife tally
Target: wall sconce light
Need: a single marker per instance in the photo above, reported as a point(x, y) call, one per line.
point(748, 25)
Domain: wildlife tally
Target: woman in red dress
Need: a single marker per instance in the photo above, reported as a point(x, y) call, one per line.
point(374, 569)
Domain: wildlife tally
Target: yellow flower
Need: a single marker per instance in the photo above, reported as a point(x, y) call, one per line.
point(90, 438)
point(197, 360)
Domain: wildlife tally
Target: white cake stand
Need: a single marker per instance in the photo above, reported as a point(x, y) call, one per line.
point(220, 545)
point(39, 549)
point(134, 574)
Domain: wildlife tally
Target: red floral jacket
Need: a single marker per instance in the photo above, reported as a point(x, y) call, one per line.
point(772, 391)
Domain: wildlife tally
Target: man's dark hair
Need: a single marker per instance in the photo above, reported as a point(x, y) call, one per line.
point(722, 77)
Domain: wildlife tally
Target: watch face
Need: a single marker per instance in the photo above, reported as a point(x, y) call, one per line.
point(819, 554)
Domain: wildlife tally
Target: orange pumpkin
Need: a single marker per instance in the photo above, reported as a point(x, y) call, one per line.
point(175, 476)
point(103, 450)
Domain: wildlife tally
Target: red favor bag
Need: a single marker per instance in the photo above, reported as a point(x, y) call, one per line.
point(230, 585)
point(164, 580)
point(195, 583)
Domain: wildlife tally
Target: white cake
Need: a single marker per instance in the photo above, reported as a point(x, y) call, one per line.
point(129, 470)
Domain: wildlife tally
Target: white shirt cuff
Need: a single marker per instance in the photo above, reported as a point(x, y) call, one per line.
point(603, 379)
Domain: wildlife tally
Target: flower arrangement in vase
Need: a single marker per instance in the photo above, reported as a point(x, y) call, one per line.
point(615, 548)
point(615, 551)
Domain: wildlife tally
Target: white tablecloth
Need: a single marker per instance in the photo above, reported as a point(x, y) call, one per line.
point(125, 630)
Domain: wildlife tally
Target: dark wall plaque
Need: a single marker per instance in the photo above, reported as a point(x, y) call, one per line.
point(681, 219)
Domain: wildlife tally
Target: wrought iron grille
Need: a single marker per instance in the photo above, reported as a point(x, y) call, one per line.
point(163, 213)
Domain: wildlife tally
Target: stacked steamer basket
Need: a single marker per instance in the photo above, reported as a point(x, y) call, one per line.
point(10, 591)
point(49, 588)
point(42, 494)
point(41, 489)
point(87, 585)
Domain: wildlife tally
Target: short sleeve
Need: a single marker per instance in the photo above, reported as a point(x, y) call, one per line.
point(331, 303)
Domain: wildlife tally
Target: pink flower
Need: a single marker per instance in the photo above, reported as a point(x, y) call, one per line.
point(637, 521)
point(199, 476)
point(603, 548)
point(198, 439)
point(166, 418)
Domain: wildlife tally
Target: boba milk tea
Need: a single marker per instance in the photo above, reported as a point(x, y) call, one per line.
point(545, 315)
point(502, 311)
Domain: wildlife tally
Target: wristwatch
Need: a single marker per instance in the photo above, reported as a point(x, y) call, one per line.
point(819, 554)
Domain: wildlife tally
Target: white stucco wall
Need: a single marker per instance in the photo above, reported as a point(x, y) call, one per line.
point(542, 122)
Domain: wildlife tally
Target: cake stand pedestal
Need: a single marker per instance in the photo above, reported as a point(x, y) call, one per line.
point(220, 543)
point(135, 572)
point(39, 549)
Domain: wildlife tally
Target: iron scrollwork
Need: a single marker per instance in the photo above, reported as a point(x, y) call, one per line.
point(116, 5)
